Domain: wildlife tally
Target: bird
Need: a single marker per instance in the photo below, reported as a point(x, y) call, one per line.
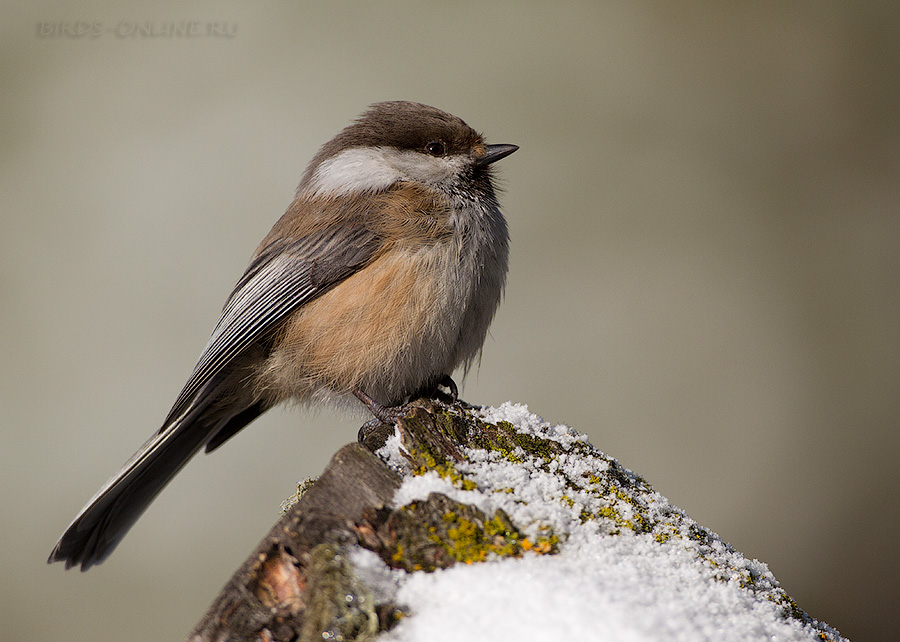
point(377, 283)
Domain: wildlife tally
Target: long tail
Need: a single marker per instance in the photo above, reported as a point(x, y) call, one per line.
point(106, 518)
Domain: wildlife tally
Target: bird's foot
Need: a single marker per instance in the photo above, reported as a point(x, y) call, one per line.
point(384, 414)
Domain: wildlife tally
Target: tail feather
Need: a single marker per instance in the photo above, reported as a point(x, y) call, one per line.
point(103, 522)
point(108, 516)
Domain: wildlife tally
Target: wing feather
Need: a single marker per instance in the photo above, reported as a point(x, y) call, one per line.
point(284, 276)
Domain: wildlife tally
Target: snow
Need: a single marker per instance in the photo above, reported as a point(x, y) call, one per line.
point(629, 566)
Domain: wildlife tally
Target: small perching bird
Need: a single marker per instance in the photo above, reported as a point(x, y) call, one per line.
point(377, 283)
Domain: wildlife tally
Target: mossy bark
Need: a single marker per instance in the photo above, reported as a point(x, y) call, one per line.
point(298, 583)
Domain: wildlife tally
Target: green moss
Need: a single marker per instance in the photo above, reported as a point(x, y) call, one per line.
point(340, 606)
point(464, 534)
point(638, 520)
point(503, 438)
point(474, 540)
point(667, 532)
point(427, 463)
point(302, 487)
point(440, 532)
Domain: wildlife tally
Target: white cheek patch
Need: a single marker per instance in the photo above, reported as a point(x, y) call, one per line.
point(425, 169)
point(356, 170)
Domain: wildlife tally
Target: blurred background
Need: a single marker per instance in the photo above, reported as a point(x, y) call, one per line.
point(705, 277)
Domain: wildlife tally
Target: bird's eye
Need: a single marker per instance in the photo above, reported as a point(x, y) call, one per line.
point(435, 148)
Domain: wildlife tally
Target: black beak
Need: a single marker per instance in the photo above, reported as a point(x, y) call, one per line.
point(494, 153)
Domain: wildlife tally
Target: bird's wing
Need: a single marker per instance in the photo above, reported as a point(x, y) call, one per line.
point(282, 277)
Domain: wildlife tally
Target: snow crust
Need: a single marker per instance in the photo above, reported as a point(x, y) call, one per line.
point(630, 566)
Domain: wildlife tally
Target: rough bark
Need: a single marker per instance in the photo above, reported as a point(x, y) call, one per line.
point(297, 584)
point(301, 584)
point(280, 591)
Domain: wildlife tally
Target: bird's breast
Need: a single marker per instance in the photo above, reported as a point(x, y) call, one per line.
point(388, 329)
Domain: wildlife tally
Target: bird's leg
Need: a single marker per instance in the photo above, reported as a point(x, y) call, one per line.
point(372, 433)
point(384, 414)
point(390, 414)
